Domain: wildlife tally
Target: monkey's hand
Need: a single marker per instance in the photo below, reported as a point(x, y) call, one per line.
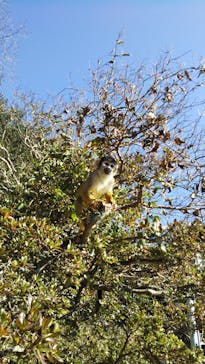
point(110, 201)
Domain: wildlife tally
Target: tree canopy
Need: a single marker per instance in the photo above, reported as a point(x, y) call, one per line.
point(123, 294)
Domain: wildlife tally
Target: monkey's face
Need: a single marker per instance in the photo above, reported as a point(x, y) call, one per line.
point(108, 165)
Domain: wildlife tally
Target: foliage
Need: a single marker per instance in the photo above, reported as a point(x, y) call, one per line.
point(122, 295)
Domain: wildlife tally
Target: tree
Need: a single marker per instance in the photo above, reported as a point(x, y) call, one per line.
point(119, 294)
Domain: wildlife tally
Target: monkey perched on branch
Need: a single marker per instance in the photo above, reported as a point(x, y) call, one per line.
point(96, 193)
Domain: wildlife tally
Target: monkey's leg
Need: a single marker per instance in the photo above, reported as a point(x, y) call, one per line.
point(95, 203)
point(88, 202)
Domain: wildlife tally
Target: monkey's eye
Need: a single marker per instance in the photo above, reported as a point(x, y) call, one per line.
point(111, 165)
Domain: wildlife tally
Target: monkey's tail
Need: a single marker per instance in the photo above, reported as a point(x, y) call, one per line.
point(78, 205)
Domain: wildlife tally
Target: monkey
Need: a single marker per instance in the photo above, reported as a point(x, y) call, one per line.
point(97, 190)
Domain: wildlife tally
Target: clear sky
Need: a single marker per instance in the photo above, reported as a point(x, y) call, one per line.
point(66, 37)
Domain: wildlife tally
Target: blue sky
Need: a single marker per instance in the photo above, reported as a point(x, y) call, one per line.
point(65, 37)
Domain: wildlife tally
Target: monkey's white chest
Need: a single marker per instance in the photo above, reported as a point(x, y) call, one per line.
point(104, 184)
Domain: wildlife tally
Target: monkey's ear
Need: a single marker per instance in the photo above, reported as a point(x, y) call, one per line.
point(99, 162)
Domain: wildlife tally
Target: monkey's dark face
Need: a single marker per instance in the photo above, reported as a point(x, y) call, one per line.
point(108, 165)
